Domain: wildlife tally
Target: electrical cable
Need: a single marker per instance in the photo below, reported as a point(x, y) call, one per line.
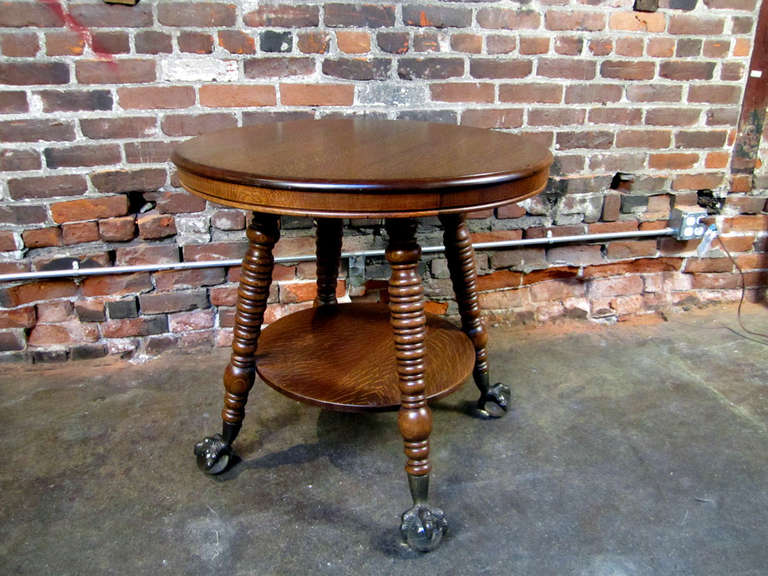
point(743, 294)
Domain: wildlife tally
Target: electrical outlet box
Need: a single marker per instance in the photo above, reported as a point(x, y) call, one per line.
point(688, 225)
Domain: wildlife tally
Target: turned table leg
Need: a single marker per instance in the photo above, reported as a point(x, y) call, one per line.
point(255, 278)
point(422, 526)
point(328, 246)
point(461, 263)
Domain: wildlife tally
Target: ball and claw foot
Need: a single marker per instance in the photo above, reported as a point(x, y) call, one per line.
point(495, 403)
point(422, 527)
point(213, 454)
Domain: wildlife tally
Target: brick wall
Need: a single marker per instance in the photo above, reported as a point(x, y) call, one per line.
point(93, 97)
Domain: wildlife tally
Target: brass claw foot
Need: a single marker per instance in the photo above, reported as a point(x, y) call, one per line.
point(494, 403)
point(213, 454)
point(422, 527)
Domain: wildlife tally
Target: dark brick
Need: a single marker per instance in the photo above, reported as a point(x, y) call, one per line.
point(441, 116)
point(157, 344)
point(430, 68)
point(173, 302)
point(654, 93)
point(123, 71)
point(195, 42)
point(117, 181)
point(47, 186)
point(573, 68)
point(636, 70)
point(75, 100)
point(126, 127)
point(631, 203)
point(23, 215)
point(180, 203)
point(36, 130)
point(393, 42)
point(111, 16)
point(17, 160)
point(492, 68)
point(30, 73)
point(87, 155)
point(90, 311)
point(688, 48)
point(88, 351)
point(283, 16)
point(357, 69)
point(587, 139)
point(171, 280)
point(272, 67)
point(271, 41)
point(22, 15)
point(144, 326)
point(123, 309)
point(110, 42)
point(505, 19)
point(436, 16)
point(149, 152)
point(11, 102)
point(687, 70)
point(153, 42)
point(197, 14)
point(362, 15)
point(597, 93)
point(722, 116)
point(21, 45)
point(145, 253)
point(49, 356)
point(700, 139)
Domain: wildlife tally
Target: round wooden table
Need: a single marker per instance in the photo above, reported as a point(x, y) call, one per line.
point(342, 356)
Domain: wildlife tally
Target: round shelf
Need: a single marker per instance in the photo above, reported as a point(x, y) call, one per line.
point(342, 357)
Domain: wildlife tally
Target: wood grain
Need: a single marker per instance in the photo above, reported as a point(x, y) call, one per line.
point(342, 357)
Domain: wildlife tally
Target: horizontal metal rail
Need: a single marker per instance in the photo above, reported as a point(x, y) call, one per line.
point(77, 272)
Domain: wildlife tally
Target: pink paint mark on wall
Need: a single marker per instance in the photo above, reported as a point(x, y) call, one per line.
point(72, 23)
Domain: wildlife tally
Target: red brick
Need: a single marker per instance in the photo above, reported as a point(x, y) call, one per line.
point(18, 160)
point(58, 311)
point(436, 16)
point(745, 204)
point(462, 92)
point(172, 301)
point(153, 42)
point(572, 68)
point(626, 70)
point(45, 335)
point(317, 94)
point(228, 220)
point(193, 320)
point(502, 300)
point(695, 25)
point(111, 16)
point(557, 290)
point(672, 161)
point(89, 209)
point(587, 139)
point(598, 93)
point(79, 232)
point(117, 285)
point(555, 116)
point(698, 181)
point(492, 68)
point(127, 327)
point(110, 42)
point(623, 249)
point(180, 203)
point(21, 294)
point(643, 139)
point(7, 241)
point(708, 265)
point(42, 237)
point(758, 223)
point(353, 41)
point(362, 15)
point(534, 45)
point(638, 21)
point(508, 19)
point(492, 118)
point(125, 127)
point(714, 94)
point(719, 159)
point(318, 42)
point(600, 46)
point(732, 72)
point(224, 295)
point(75, 100)
point(672, 116)
point(117, 229)
point(18, 317)
point(21, 45)
point(47, 186)
point(621, 116)
point(151, 97)
point(149, 152)
point(533, 93)
point(574, 20)
point(609, 227)
point(684, 70)
point(470, 43)
point(716, 48)
point(64, 43)
point(198, 14)
point(144, 254)
point(13, 101)
point(123, 71)
point(28, 14)
point(569, 45)
point(236, 42)
point(629, 47)
point(195, 42)
point(742, 47)
point(716, 281)
point(195, 124)
point(607, 287)
point(283, 16)
point(500, 279)
point(154, 226)
point(757, 261)
point(700, 139)
point(654, 93)
point(426, 41)
point(168, 280)
point(660, 47)
point(498, 44)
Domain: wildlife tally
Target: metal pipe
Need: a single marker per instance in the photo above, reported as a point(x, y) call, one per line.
point(77, 272)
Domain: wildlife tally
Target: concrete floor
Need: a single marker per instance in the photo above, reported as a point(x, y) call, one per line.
point(632, 450)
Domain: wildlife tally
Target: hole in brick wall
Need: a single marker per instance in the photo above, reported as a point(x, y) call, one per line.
point(707, 199)
point(622, 181)
point(137, 200)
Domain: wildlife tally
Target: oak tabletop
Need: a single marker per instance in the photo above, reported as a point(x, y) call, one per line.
point(361, 154)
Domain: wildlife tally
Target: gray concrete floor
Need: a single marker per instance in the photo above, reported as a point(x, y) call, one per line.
point(632, 450)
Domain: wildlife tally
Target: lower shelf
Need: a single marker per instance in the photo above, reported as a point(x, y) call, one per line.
point(343, 357)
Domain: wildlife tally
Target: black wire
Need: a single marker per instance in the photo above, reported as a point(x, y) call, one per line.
point(743, 293)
